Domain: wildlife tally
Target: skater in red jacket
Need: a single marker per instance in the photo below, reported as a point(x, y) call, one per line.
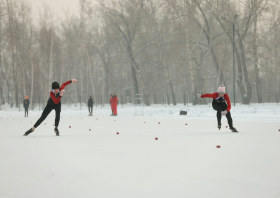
point(53, 103)
point(221, 103)
point(114, 104)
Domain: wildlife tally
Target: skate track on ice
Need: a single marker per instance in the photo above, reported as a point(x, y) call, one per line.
point(183, 162)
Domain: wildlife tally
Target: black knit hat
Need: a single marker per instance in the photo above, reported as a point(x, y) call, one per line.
point(55, 85)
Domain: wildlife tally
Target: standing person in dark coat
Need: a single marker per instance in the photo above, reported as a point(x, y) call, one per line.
point(221, 103)
point(26, 106)
point(53, 103)
point(90, 105)
point(114, 104)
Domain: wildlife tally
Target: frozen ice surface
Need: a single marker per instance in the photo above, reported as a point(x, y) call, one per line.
point(183, 162)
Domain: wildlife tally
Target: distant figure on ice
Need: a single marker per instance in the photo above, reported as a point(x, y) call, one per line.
point(111, 96)
point(26, 106)
point(90, 105)
point(53, 103)
point(114, 104)
point(221, 103)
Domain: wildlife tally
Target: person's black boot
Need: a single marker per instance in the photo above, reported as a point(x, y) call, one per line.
point(56, 131)
point(219, 125)
point(28, 132)
point(233, 129)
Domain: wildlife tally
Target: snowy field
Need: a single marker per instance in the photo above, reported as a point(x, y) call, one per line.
point(91, 160)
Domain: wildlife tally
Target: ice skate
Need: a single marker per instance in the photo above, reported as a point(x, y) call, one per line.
point(233, 129)
point(219, 125)
point(28, 132)
point(56, 131)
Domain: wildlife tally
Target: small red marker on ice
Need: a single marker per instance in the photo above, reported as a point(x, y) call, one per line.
point(218, 146)
point(226, 126)
point(279, 129)
point(69, 126)
point(45, 123)
point(186, 124)
point(89, 129)
point(117, 133)
point(156, 138)
point(158, 122)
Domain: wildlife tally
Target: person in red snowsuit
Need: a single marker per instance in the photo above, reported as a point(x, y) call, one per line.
point(111, 96)
point(114, 103)
point(221, 103)
point(53, 103)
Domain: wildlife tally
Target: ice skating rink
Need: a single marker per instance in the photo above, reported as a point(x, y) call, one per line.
point(183, 162)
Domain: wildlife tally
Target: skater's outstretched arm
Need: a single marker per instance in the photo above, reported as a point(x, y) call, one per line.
point(67, 83)
point(213, 95)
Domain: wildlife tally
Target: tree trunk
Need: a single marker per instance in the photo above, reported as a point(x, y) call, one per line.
point(255, 51)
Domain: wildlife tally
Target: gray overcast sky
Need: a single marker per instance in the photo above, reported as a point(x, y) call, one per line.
point(56, 5)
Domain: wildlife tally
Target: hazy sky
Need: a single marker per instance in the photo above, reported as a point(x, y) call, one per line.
point(56, 5)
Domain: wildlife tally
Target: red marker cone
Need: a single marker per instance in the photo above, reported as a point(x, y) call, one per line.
point(156, 138)
point(117, 133)
point(69, 126)
point(158, 122)
point(89, 129)
point(218, 146)
point(186, 124)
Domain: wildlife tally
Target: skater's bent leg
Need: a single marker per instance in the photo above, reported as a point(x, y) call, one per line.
point(45, 113)
point(228, 115)
point(57, 114)
point(219, 116)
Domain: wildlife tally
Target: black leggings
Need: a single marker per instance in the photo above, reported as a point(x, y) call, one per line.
point(26, 111)
point(46, 112)
point(228, 115)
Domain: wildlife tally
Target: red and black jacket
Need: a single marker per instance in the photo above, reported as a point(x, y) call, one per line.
point(216, 96)
point(55, 98)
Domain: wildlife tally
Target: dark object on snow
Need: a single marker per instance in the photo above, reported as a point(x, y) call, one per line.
point(183, 112)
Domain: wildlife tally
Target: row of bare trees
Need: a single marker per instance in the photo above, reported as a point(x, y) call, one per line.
point(162, 49)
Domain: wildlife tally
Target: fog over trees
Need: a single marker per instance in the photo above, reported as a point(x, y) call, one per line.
point(169, 51)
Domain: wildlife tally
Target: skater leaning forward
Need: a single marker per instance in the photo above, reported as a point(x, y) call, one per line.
point(53, 103)
point(221, 103)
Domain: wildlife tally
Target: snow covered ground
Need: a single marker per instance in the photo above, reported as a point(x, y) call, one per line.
point(183, 162)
